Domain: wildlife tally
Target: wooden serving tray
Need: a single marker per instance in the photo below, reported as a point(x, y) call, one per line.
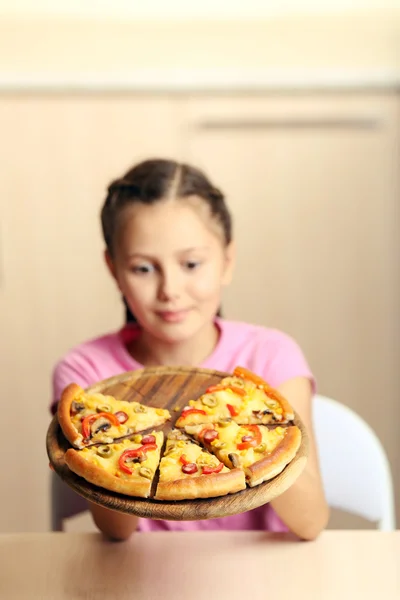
point(171, 388)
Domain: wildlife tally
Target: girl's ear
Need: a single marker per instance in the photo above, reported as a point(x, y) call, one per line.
point(230, 259)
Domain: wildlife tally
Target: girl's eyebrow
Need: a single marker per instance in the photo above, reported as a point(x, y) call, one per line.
point(139, 255)
point(182, 251)
point(194, 249)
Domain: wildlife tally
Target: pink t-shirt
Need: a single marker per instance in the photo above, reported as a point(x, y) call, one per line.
point(270, 353)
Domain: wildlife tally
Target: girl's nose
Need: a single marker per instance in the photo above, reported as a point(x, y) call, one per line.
point(170, 286)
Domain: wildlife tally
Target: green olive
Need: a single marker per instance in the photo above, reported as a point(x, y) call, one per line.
point(103, 408)
point(145, 472)
point(210, 401)
point(104, 451)
point(261, 448)
point(140, 409)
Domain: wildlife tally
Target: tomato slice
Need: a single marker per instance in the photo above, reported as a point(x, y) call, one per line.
point(250, 441)
point(207, 470)
point(87, 421)
point(133, 453)
point(210, 435)
point(233, 410)
point(190, 468)
point(121, 416)
point(148, 439)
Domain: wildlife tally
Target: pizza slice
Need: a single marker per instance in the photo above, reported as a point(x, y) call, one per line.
point(243, 397)
point(188, 471)
point(127, 467)
point(95, 418)
point(260, 451)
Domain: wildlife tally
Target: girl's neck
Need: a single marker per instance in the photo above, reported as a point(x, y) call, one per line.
point(150, 351)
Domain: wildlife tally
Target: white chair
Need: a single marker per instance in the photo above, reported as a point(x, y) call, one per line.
point(355, 469)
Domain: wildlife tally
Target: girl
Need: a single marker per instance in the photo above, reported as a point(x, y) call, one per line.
point(169, 248)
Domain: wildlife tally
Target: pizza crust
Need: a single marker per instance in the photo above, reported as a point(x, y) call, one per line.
point(203, 486)
point(135, 486)
point(72, 392)
point(271, 465)
point(288, 413)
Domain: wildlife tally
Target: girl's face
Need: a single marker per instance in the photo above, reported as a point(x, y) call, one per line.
point(170, 263)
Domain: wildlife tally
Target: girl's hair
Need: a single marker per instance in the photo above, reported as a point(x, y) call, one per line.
point(152, 181)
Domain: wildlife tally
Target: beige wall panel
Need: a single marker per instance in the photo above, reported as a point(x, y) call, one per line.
point(58, 154)
point(313, 183)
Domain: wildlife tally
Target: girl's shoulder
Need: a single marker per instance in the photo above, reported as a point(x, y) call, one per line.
point(91, 361)
point(254, 335)
point(273, 354)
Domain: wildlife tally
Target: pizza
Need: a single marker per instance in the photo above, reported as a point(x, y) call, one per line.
point(188, 471)
point(261, 452)
point(237, 433)
point(243, 397)
point(127, 467)
point(92, 418)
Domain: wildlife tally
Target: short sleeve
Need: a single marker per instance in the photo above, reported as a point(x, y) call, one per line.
point(286, 360)
point(67, 371)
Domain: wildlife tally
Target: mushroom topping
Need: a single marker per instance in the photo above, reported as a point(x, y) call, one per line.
point(234, 459)
point(101, 424)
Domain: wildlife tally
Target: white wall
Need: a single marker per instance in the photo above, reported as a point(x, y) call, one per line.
point(176, 9)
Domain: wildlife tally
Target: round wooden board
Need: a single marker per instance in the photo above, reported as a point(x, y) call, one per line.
point(170, 388)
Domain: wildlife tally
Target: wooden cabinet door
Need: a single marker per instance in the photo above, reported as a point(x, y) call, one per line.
point(313, 183)
point(58, 154)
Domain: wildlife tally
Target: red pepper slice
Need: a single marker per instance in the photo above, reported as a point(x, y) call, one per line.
point(133, 453)
point(192, 411)
point(184, 460)
point(234, 388)
point(87, 421)
point(237, 390)
point(254, 441)
point(233, 410)
point(214, 388)
point(208, 470)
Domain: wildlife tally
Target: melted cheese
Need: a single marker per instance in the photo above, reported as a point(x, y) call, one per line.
point(140, 417)
point(254, 400)
point(110, 463)
point(232, 435)
point(171, 467)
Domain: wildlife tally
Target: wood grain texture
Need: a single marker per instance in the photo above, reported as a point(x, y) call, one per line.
point(170, 388)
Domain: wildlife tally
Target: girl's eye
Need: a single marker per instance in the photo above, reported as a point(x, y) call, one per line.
point(142, 269)
point(191, 265)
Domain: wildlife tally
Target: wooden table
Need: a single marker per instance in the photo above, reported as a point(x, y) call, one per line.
point(340, 565)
